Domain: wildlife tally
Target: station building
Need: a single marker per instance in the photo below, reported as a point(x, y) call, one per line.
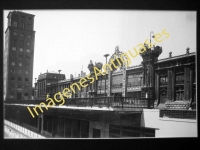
point(154, 99)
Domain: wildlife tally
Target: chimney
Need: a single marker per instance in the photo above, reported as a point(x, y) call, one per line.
point(187, 50)
point(170, 54)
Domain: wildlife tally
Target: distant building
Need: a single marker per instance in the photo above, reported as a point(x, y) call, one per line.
point(18, 56)
point(44, 79)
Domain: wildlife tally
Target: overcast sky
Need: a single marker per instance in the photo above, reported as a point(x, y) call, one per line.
point(68, 39)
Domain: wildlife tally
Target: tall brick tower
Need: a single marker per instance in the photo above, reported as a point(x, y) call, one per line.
point(19, 56)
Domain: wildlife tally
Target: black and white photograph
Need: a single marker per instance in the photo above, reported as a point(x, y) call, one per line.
point(99, 74)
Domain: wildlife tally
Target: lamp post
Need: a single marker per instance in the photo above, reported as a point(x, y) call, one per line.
point(106, 55)
point(149, 70)
point(58, 78)
point(35, 88)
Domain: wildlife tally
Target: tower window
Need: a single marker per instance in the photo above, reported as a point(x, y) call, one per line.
point(21, 49)
point(13, 63)
point(28, 43)
point(21, 34)
point(14, 48)
point(19, 71)
point(22, 25)
point(14, 23)
point(20, 64)
point(29, 27)
point(12, 71)
point(28, 50)
point(14, 33)
point(26, 72)
point(14, 41)
point(11, 94)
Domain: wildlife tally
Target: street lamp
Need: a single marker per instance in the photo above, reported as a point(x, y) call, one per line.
point(106, 55)
point(58, 78)
point(149, 70)
point(35, 88)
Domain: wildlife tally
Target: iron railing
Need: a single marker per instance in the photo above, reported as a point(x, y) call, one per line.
point(114, 102)
point(183, 114)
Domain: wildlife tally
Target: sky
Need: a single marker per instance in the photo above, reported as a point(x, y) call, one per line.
point(68, 39)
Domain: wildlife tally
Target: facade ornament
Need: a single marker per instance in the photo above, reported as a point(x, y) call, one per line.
point(91, 66)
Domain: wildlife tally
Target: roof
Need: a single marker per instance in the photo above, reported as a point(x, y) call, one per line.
point(176, 57)
point(20, 12)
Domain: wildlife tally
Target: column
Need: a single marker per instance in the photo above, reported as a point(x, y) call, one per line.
point(173, 85)
point(109, 83)
point(186, 83)
point(169, 86)
point(124, 88)
point(191, 84)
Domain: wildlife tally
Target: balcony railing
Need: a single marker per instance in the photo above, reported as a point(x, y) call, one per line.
point(182, 114)
point(109, 102)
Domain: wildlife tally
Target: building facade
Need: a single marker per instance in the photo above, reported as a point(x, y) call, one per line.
point(42, 82)
point(155, 98)
point(19, 56)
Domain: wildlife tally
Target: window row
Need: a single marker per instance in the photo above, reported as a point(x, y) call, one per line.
point(22, 34)
point(19, 71)
point(21, 42)
point(21, 25)
point(24, 17)
point(19, 78)
point(19, 64)
point(21, 49)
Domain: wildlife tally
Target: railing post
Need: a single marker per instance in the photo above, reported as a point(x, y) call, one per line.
point(108, 100)
point(122, 102)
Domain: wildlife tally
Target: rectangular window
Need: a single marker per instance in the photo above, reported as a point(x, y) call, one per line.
point(12, 78)
point(20, 64)
point(21, 34)
point(21, 49)
point(12, 94)
point(29, 27)
point(26, 72)
point(14, 23)
point(19, 79)
point(22, 25)
point(26, 79)
point(12, 71)
point(25, 94)
point(14, 33)
point(14, 48)
point(28, 43)
point(20, 71)
point(14, 41)
point(13, 63)
point(28, 50)
point(163, 81)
